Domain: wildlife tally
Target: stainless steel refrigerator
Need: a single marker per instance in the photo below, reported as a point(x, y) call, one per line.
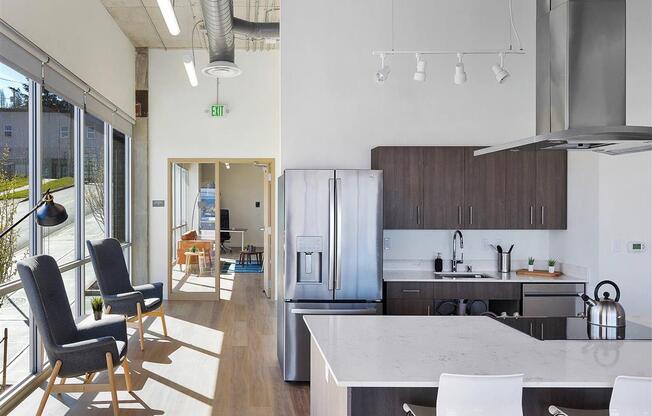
point(331, 230)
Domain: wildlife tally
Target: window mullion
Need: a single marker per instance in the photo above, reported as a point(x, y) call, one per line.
point(79, 208)
point(108, 174)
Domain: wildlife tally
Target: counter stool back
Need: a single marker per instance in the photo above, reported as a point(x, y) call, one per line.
point(630, 396)
point(472, 395)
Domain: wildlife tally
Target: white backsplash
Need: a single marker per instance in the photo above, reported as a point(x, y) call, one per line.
point(417, 249)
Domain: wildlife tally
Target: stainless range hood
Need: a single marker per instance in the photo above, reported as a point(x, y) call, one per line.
point(580, 71)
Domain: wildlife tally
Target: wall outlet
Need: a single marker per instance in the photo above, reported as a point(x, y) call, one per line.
point(387, 243)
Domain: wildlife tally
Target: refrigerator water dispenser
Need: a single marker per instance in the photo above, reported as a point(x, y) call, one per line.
point(309, 257)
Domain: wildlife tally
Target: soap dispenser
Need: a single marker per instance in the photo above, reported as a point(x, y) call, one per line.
point(439, 263)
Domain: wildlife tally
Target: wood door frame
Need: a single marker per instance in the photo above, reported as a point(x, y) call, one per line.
point(271, 162)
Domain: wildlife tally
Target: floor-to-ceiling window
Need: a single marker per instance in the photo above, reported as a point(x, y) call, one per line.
point(49, 141)
point(15, 246)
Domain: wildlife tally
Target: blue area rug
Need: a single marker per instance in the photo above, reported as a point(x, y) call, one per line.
point(241, 268)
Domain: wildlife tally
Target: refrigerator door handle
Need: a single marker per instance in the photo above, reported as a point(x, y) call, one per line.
point(366, 311)
point(331, 234)
point(338, 244)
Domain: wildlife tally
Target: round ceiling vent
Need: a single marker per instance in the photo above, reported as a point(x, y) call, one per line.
point(221, 69)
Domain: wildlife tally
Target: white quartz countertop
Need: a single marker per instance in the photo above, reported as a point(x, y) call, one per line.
point(402, 351)
point(429, 276)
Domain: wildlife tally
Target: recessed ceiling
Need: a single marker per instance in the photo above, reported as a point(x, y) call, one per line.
point(142, 22)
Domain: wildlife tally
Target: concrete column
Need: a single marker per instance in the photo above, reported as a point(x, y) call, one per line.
point(139, 163)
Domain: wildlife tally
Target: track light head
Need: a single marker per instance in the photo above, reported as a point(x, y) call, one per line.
point(383, 72)
point(500, 72)
point(460, 73)
point(420, 73)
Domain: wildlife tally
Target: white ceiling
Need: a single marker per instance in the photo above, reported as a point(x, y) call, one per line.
point(143, 24)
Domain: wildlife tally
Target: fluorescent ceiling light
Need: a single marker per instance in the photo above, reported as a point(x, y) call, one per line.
point(168, 15)
point(190, 70)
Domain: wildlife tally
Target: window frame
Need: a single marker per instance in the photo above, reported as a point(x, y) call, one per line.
point(36, 357)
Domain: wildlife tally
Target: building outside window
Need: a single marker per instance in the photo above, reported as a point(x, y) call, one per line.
point(8, 130)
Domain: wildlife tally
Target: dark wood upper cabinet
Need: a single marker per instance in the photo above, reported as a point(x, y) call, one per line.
point(447, 187)
point(551, 183)
point(443, 187)
point(520, 186)
point(402, 185)
point(484, 190)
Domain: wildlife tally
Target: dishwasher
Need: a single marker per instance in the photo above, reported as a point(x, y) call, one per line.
point(552, 299)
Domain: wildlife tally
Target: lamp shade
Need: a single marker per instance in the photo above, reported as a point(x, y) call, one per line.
point(50, 213)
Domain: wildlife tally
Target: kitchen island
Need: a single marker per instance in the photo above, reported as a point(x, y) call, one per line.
point(370, 365)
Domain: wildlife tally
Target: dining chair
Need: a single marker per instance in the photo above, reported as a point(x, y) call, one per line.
point(72, 349)
point(630, 396)
point(472, 395)
point(119, 296)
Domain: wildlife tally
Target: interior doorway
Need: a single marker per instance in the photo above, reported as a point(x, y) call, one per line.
point(221, 226)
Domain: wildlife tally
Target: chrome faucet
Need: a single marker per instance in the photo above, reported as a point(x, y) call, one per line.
point(455, 261)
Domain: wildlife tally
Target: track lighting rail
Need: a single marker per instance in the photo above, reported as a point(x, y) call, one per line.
point(449, 52)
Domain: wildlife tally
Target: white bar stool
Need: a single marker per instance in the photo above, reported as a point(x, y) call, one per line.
point(631, 396)
point(470, 395)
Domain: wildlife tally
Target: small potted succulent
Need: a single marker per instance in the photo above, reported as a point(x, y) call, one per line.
point(96, 304)
point(530, 264)
point(193, 249)
point(551, 265)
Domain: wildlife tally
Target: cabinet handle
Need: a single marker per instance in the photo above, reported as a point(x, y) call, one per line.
point(418, 215)
point(531, 329)
point(428, 310)
point(541, 331)
point(531, 215)
point(471, 214)
point(411, 290)
point(459, 215)
point(543, 213)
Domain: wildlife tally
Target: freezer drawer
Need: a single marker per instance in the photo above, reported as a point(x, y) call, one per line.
point(295, 357)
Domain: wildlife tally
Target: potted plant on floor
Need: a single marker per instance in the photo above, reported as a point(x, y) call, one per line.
point(551, 265)
point(530, 264)
point(96, 304)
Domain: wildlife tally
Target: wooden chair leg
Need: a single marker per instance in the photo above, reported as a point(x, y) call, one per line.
point(114, 393)
point(48, 389)
point(125, 365)
point(88, 378)
point(62, 381)
point(140, 326)
point(165, 327)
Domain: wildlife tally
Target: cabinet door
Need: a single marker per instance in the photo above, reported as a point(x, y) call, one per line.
point(402, 185)
point(443, 187)
point(409, 307)
point(484, 190)
point(520, 188)
point(551, 189)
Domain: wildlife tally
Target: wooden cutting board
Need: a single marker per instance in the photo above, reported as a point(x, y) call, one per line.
point(538, 273)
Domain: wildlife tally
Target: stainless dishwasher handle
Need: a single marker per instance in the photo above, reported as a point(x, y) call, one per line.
point(366, 311)
point(411, 290)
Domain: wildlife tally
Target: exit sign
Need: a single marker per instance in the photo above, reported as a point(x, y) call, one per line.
point(218, 110)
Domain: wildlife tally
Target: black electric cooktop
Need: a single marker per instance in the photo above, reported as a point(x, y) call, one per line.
point(571, 328)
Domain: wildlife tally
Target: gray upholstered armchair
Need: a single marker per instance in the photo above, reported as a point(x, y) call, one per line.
point(73, 350)
point(119, 296)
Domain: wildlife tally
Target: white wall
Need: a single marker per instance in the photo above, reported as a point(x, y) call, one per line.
point(333, 112)
point(241, 187)
point(83, 37)
point(180, 125)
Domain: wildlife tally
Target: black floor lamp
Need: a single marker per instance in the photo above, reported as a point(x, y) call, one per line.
point(48, 213)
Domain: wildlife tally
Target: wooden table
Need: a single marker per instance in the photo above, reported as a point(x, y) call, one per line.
point(245, 256)
point(201, 260)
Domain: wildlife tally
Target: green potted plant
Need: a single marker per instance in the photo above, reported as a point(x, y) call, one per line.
point(530, 264)
point(193, 249)
point(96, 304)
point(551, 265)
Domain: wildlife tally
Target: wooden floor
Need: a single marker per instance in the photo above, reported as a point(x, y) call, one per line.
point(219, 359)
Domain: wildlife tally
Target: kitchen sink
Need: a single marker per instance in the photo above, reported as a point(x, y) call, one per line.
point(453, 275)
